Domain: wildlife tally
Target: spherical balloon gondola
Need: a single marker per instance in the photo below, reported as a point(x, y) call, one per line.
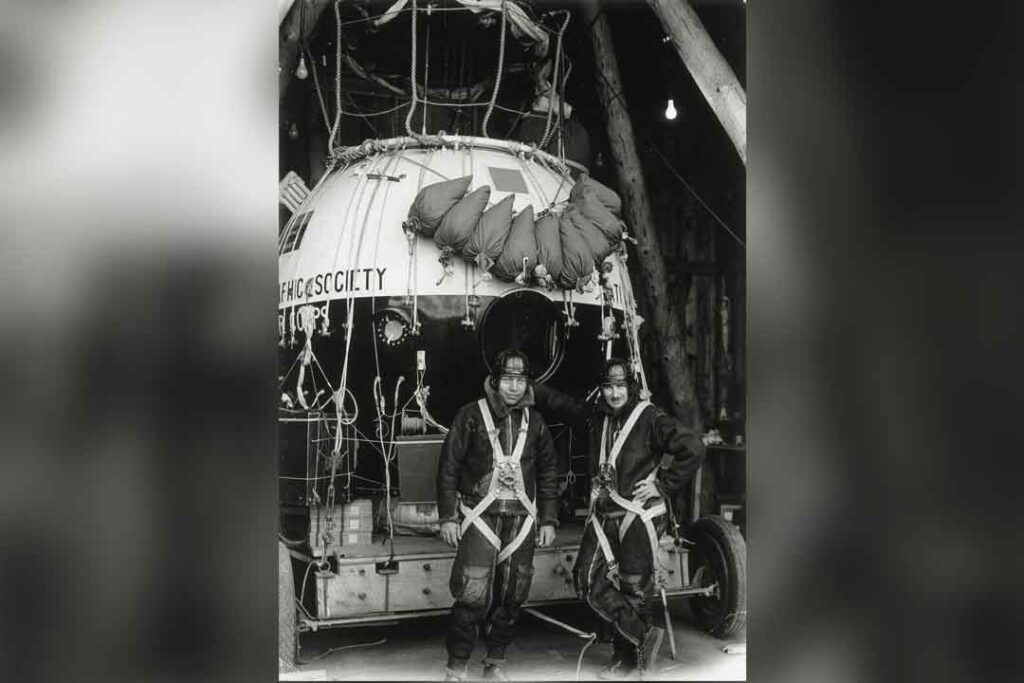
point(383, 335)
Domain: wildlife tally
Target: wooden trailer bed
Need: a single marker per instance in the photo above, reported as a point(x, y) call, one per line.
point(366, 588)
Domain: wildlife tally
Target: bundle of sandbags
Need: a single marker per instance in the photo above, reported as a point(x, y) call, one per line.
point(487, 240)
point(518, 255)
point(555, 250)
point(433, 202)
point(457, 226)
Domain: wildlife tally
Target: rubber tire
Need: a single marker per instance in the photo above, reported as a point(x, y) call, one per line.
point(720, 546)
point(287, 617)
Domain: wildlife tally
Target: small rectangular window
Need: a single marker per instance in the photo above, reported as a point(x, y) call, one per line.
point(508, 180)
point(293, 237)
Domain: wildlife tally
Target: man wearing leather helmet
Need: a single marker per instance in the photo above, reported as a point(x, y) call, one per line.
point(640, 457)
point(498, 469)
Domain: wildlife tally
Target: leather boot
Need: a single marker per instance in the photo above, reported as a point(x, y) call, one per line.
point(647, 653)
point(455, 671)
point(618, 670)
point(495, 672)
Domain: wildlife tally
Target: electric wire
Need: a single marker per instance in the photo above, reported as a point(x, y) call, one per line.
point(344, 647)
point(356, 107)
point(319, 92)
point(694, 193)
point(672, 168)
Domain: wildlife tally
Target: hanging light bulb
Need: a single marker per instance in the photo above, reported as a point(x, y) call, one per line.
point(302, 72)
point(670, 110)
point(293, 131)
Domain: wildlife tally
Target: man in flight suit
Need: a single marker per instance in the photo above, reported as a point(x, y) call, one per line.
point(498, 469)
point(639, 456)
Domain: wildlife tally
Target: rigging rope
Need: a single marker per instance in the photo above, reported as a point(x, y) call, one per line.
point(501, 64)
point(337, 75)
point(561, 114)
point(554, 81)
point(412, 75)
point(630, 320)
point(426, 74)
point(590, 637)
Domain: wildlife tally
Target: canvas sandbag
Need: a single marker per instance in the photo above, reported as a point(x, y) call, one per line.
point(433, 202)
point(604, 194)
point(549, 251)
point(590, 205)
point(600, 246)
point(518, 255)
point(459, 221)
point(488, 238)
point(577, 258)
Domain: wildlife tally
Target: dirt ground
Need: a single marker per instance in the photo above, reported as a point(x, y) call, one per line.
point(414, 651)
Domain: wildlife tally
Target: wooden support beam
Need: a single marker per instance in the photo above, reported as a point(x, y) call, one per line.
point(637, 209)
point(710, 71)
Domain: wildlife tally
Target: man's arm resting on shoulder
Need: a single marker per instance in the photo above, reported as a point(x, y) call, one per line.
point(553, 403)
point(546, 462)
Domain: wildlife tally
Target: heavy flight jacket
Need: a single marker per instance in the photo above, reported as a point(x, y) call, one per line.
point(657, 441)
point(466, 462)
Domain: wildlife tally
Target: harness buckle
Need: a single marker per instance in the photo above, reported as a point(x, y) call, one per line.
point(605, 476)
point(507, 476)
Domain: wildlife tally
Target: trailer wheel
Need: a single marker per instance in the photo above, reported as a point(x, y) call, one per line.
point(287, 622)
point(719, 558)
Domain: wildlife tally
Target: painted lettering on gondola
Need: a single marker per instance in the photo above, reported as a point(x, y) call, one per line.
point(332, 283)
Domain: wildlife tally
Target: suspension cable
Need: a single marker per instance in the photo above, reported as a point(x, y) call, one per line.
point(501, 65)
point(426, 74)
point(337, 75)
point(412, 75)
point(554, 80)
point(561, 114)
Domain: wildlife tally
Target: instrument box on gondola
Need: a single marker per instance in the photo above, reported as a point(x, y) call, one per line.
point(350, 524)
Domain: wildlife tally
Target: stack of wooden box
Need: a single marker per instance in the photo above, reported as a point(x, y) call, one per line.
point(350, 524)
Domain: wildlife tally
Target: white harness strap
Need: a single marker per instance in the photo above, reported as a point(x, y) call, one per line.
point(633, 509)
point(613, 456)
point(472, 517)
point(502, 462)
point(602, 539)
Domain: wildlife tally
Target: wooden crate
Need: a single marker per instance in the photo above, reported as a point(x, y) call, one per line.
point(354, 589)
point(552, 574)
point(421, 584)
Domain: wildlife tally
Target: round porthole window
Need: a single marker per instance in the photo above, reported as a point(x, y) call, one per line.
point(392, 325)
point(526, 320)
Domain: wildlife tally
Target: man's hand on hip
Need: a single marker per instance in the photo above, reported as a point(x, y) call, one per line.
point(644, 490)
